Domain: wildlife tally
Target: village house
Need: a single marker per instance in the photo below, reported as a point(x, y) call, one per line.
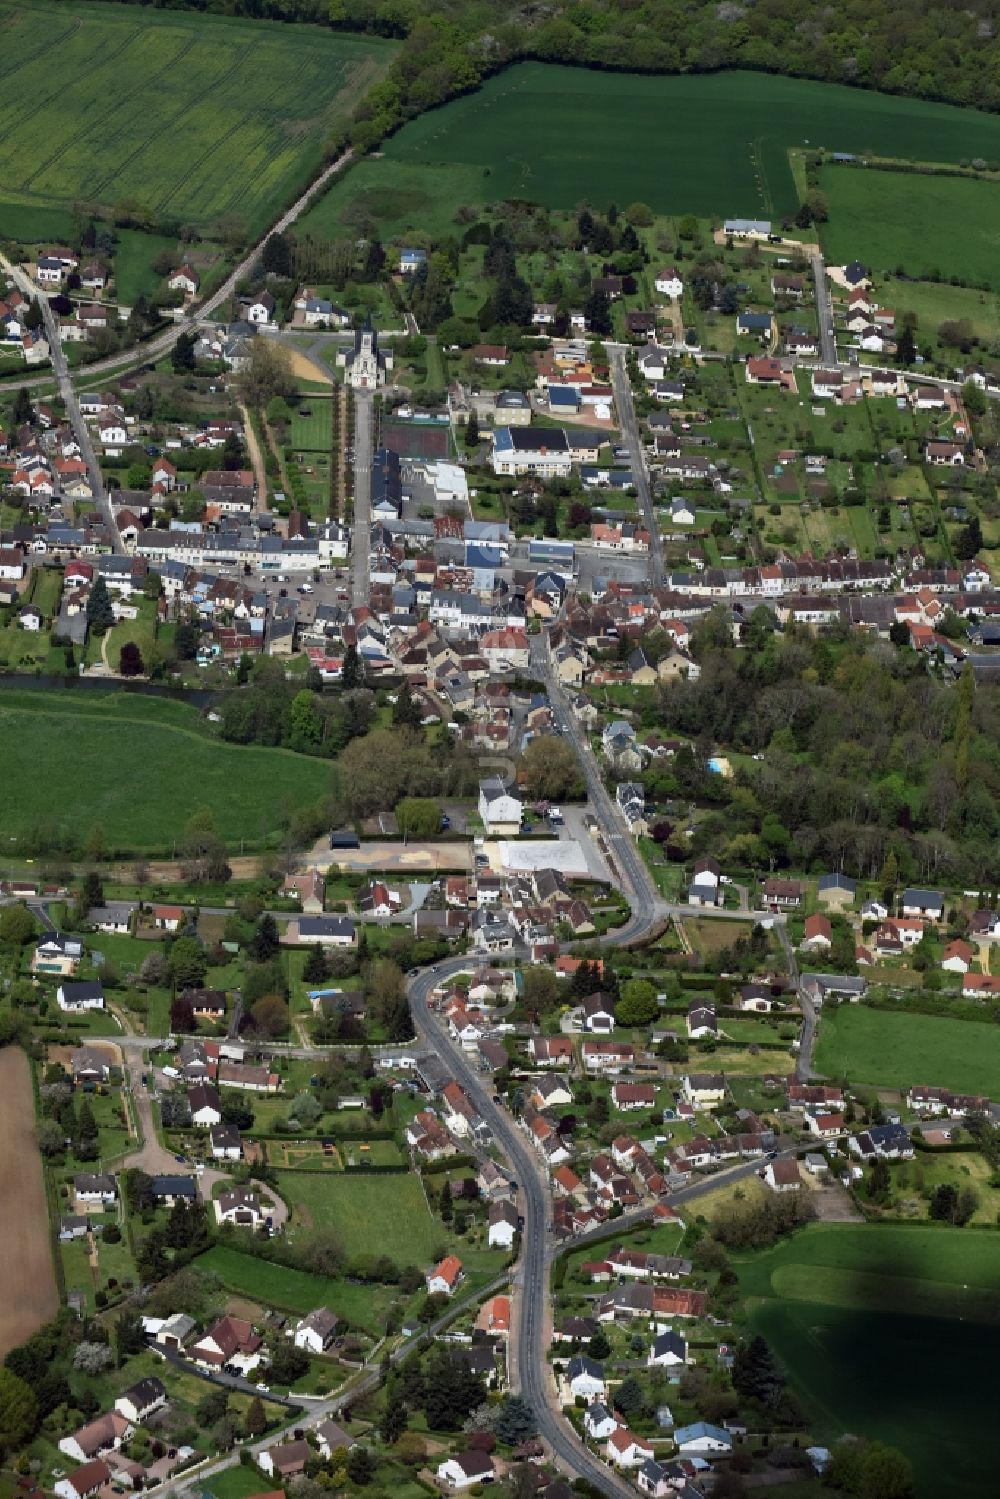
point(316, 1332)
point(464, 1469)
point(445, 1276)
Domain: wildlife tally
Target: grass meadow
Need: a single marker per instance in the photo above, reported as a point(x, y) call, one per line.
point(851, 1312)
point(370, 1214)
point(890, 220)
point(140, 767)
point(893, 1051)
point(194, 116)
point(296, 1290)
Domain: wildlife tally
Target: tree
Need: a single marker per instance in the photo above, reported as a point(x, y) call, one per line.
point(265, 943)
point(597, 311)
point(314, 970)
point(212, 1407)
point(92, 1358)
point(86, 1124)
point(305, 723)
point(187, 638)
point(305, 1107)
point(188, 963)
point(276, 256)
point(638, 1004)
point(51, 1137)
point(515, 1421)
point(255, 1421)
point(551, 770)
point(629, 1397)
point(472, 435)
point(350, 672)
point(266, 373)
point(182, 357)
point(869, 1470)
point(879, 1180)
point(360, 1465)
point(17, 926)
point(943, 1206)
point(18, 1411)
point(182, 1018)
point(130, 662)
point(100, 615)
point(288, 1363)
point(541, 990)
point(394, 1420)
point(756, 1373)
point(270, 1017)
point(451, 1389)
point(129, 1336)
point(969, 541)
point(418, 817)
point(406, 712)
point(906, 347)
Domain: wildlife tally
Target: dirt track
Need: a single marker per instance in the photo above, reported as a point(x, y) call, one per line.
point(29, 1296)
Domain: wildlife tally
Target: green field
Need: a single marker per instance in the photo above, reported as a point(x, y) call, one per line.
point(370, 1214)
point(558, 135)
point(947, 225)
point(852, 1311)
point(893, 1051)
point(192, 116)
point(140, 767)
point(296, 1290)
point(134, 256)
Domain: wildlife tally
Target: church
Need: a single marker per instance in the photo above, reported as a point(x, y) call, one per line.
point(365, 364)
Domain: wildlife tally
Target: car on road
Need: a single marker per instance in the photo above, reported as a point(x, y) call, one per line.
point(445, 822)
point(305, 588)
point(180, 1158)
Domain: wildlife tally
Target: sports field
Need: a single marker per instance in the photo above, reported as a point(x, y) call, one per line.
point(890, 220)
point(852, 1311)
point(193, 116)
point(29, 1288)
point(140, 767)
point(706, 144)
point(893, 1051)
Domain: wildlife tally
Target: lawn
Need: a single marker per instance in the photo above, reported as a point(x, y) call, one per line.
point(893, 1051)
point(296, 1290)
point(851, 1311)
point(241, 111)
point(312, 433)
point(370, 1214)
point(175, 767)
point(901, 219)
point(559, 135)
point(134, 256)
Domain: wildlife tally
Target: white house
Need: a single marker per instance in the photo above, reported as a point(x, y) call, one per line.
point(585, 1376)
point(669, 1349)
point(139, 1401)
point(105, 1433)
point(444, 1278)
point(84, 1482)
point(500, 807)
point(185, 279)
point(206, 1107)
point(465, 1469)
point(503, 1225)
point(598, 1422)
point(668, 283)
point(87, 994)
point(626, 1450)
point(315, 1332)
point(783, 1176)
point(702, 1440)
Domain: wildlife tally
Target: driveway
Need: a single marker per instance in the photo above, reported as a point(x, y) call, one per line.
point(156, 1160)
point(575, 828)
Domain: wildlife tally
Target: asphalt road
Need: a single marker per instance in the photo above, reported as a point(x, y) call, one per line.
point(824, 314)
point(361, 527)
point(637, 458)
